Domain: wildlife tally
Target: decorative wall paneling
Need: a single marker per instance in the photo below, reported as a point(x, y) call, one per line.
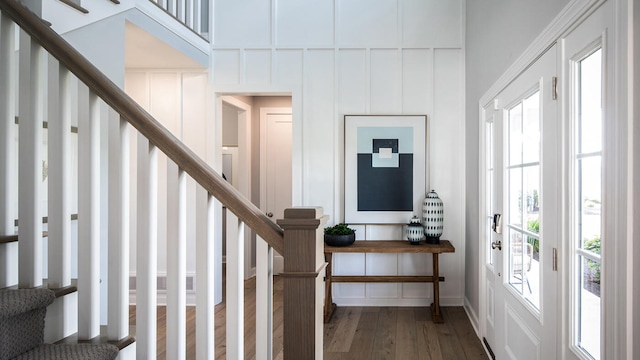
point(359, 57)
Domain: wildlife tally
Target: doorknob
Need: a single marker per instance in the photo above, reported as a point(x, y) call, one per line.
point(270, 214)
point(496, 244)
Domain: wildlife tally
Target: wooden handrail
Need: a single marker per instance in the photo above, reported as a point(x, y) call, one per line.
point(139, 118)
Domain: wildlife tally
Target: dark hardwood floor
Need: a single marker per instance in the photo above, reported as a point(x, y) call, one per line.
point(354, 332)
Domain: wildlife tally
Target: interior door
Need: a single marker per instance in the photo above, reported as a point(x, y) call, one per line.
point(522, 296)
point(275, 161)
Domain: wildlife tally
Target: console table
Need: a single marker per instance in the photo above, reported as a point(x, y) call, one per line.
point(386, 246)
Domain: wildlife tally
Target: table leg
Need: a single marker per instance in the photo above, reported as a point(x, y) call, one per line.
point(329, 306)
point(436, 315)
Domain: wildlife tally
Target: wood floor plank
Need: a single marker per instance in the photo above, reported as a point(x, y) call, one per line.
point(345, 330)
point(466, 334)
point(431, 347)
point(363, 333)
point(384, 345)
point(449, 342)
point(406, 340)
point(362, 345)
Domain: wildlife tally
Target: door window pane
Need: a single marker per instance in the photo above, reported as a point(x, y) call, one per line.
point(515, 135)
point(588, 202)
point(524, 195)
point(531, 129)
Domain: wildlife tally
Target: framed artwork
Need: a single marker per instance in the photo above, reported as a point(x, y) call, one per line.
point(385, 168)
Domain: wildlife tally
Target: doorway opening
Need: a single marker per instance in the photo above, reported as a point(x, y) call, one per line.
point(251, 150)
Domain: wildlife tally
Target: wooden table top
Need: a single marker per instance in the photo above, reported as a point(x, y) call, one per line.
point(391, 246)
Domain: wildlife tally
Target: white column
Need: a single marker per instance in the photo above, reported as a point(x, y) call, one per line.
point(88, 214)
point(119, 174)
point(59, 170)
point(8, 252)
point(147, 250)
point(30, 163)
point(264, 308)
point(176, 261)
point(235, 289)
point(205, 305)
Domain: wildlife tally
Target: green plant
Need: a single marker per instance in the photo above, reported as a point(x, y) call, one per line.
point(534, 226)
point(339, 229)
point(593, 245)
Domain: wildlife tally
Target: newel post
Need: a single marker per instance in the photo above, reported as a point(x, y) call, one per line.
point(303, 282)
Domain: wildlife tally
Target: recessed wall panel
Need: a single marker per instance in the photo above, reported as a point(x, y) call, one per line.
point(349, 264)
point(226, 67)
point(416, 81)
point(257, 66)
point(319, 142)
point(446, 151)
point(308, 22)
point(352, 81)
point(288, 67)
point(242, 23)
point(367, 22)
point(382, 264)
point(432, 23)
point(386, 81)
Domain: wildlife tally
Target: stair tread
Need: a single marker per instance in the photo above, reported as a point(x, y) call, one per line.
point(5, 239)
point(20, 301)
point(71, 352)
point(100, 339)
point(58, 291)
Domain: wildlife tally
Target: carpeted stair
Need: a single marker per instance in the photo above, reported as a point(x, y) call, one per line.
point(22, 313)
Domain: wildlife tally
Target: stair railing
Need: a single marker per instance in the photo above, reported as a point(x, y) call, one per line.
point(59, 84)
point(194, 14)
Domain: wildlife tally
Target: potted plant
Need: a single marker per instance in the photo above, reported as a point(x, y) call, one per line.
point(339, 235)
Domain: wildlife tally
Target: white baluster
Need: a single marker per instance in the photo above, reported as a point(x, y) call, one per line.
point(188, 13)
point(264, 309)
point(196, 5)
point(235, 289)
point(147, 259)
point(176, 261)
point(119, 174)
point(30, 163)
point(172, 7)
point(59, 173)
point(205, 234)
point(88, 214)
point(8, 252)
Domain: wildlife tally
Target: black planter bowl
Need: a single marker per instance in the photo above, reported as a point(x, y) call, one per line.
point(339, 240)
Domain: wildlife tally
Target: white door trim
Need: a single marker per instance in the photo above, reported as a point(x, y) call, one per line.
point(278, 260)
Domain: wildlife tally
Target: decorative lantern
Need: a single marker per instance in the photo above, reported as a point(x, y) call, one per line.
point(433, 217)
point(414, 231)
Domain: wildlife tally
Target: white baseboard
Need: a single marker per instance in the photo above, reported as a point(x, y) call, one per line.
point(402, 302)
point(473, 317)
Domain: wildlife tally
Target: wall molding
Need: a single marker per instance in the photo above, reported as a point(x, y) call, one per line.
point(562, 23)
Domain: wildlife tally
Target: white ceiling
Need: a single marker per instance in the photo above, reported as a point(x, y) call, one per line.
point(143, 50)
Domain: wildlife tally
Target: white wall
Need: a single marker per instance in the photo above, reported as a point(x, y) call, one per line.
point(357, 57)
point(497, 32)
point(176, 99)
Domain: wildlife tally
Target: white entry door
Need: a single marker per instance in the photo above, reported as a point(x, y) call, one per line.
point(523, 186)
point(275, 166)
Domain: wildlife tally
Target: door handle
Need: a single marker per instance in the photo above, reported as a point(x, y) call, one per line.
point(497, 244)
point(270, 214)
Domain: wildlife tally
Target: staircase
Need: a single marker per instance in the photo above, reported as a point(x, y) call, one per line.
point(48, 82)
point(22, 321)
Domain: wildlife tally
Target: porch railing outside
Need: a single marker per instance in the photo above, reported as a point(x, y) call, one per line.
point(54, 84)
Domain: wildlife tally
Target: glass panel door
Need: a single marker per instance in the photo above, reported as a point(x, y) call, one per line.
point(523, 181)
